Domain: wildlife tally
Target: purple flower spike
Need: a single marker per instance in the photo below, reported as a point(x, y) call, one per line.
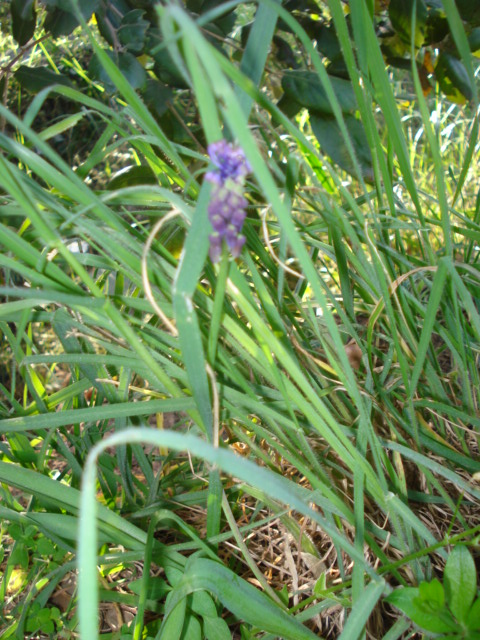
point(226, 210)
point(230, 162)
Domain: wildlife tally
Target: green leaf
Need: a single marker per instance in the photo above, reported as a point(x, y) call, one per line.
point(256, 51)
point(401, 11)
point(191, 629)
point(91, 414)
point(173, 624)
point(131, 69)
point(437, 25)
point(409, 601)
point(34, 79)
point(24, 18)
point(320, 585)
point(216, 629)
point(328, 44)
point(474, 41)
point(432, 593)
point(460, 579)
point(157, 588)
point(87, 7)
point(61, 526)
point(61, 19)
point(333, 144)
point(164, 67)
point(202, 604)
point(453, 79)
point(109, 17)
point(238, 596)
point(132, 30)
point(132, 176)
point(19, 556)
point(157, 96)
point(362, 610)
point(469, 11)
point(306, 88)
point(473, 617)
point(68, 498)
point(60, 23)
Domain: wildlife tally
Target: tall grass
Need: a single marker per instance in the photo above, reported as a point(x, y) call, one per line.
point(341, 350)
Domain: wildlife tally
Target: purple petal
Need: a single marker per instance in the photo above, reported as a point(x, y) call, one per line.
point(213, 177)
point(236, 246)
point(229, 160)
point(215, 251)
point(237, 218)
point(219, 224)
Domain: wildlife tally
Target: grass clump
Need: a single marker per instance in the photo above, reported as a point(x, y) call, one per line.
point(266, 447)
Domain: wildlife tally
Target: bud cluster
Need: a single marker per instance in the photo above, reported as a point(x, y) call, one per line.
point(226, 210)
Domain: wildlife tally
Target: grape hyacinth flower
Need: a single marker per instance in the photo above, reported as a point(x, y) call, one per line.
point(226, 210)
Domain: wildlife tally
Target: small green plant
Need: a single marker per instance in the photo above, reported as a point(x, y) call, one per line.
point(33, 565)
point(449, 610)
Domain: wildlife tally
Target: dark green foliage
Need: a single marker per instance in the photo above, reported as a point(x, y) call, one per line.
point(61, 19)
point(135, 42)
point(35, 79)
point(304, 89)
point(128, 65)
point(24, 18)
point(402, 14)
point(453, 78)
point(432, 32)
point(329, 136)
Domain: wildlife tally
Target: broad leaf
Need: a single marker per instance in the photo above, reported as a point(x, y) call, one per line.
point(87, 7)
point(24, 18)
point(437, 24)
point(156, 590)
point(60, 23)
point(333, 144)
point(469, 11)
point(432, 593)
point(132, 176)
point(128, 65)
point(157, 96)
point(216, 629)
point(34, 79)
point(238, 596)
point(460, 578)
point(109, 17)
point(164, 67)
point(401, 13)
point(428, 618)
point(473, 617)
point(173, 625)
point(191, 629)
point(474, 41)
point(453, 78)
point(61, 19)
point(132, 30)
point(327, 42)
point(306, 88)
